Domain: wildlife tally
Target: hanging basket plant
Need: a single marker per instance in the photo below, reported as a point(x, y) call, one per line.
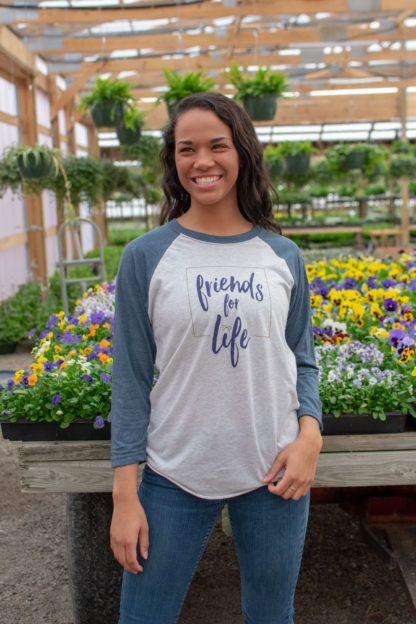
point(403, 166)
point(297, 157)
point(354, 160)
point(258, 93)
point(130, 131)
point(107, 101)
point(179, 86)
point(273, 161)
point(35, 162)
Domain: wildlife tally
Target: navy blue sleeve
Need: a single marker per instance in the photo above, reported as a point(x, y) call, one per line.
point(134, 346)
point(134, 354)
point(299, 333)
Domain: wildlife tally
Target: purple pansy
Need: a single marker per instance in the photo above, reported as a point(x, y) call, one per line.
point(87, 378)
point(55, 399)
point(395, 336)
point(99, 422)
point(105, 377)
point(390, 305)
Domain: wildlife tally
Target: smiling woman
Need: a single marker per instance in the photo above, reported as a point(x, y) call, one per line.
point(218, 295)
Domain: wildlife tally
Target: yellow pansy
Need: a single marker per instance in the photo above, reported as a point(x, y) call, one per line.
point(18, 376)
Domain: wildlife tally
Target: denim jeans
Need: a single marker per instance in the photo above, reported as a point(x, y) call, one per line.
point(269, 534)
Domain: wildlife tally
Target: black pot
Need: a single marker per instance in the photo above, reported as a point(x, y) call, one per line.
point(7, 347)
point(109, 114)
point(32, 431)
point(275, 169)
point(260, 108)
point(354, 424)
point(297, 164)
point(355, 160)
point(127, 136)
point(34, 167)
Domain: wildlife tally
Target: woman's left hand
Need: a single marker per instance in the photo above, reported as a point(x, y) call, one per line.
point(299, 461)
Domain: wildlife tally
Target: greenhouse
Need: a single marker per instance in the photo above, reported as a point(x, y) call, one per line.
point(91, 94)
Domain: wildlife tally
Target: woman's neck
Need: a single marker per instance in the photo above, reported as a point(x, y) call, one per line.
point(215, 223)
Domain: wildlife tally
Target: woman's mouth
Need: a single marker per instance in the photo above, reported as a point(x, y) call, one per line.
point(206, 180)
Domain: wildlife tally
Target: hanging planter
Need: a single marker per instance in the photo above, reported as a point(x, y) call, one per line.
point(130, 130)
point(354, 160)
point(107, 114)
point(180, 86)
point(127, 136)
point(35, 162)
point(107, 101)
point(258, 93)
point(297, 164)
point(260, 108)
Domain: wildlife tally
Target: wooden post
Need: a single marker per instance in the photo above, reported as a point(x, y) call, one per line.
point(98, 212)
point(403, 112)
point(56, 142)
point(404, 184)
point(34, 206)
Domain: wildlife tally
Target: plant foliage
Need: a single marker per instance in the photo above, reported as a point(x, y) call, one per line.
point(262, 82)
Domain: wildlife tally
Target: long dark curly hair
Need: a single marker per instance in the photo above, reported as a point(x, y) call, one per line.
point(254, 188)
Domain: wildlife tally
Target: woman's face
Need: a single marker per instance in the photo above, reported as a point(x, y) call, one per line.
point(206, 159)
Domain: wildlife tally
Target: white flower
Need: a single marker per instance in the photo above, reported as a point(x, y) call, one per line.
point(332, 376)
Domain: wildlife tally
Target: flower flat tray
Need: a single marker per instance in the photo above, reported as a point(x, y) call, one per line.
point(354, 424)
point(30, 431)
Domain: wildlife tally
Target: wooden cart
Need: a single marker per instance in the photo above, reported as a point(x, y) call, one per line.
point(374, 475)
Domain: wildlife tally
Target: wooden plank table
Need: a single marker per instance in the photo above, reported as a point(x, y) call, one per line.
point(345, 461)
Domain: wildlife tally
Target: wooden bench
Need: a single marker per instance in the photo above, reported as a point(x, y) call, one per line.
point(331, 229)
point(386, 242)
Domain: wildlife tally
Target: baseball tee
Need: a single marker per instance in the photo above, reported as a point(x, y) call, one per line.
point(226, 321)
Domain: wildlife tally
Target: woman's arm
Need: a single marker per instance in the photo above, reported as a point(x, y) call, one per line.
point(129, 523)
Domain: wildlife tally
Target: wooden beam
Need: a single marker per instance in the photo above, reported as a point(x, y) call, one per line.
point(201, 10)
point(204, 61)
point(210, 10)
point(14, 240)
point(67, 95)
point(17, 52)
point(174, 42)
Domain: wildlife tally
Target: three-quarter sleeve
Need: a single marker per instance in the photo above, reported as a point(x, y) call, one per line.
point(133, 367)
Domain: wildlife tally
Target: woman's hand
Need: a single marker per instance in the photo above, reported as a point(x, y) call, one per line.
point(129, 522)
point(299, 460)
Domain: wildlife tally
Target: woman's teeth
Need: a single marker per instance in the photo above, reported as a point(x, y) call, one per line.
point(207, 180)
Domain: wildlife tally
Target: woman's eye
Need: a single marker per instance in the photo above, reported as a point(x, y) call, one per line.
point(220, 145)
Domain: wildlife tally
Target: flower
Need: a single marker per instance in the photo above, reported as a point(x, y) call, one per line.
point(55, 399)
point(87, 378)
point(105, 377)
point(99, 422)
point(390, 305)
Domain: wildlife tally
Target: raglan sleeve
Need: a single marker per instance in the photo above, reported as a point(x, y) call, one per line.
point(299, 337)
point(133, 361)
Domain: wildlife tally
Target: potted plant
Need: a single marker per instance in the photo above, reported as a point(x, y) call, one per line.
point(35, 161)
point(179, 86)
point(259, 92)
point(273, 161)
point(402, 166)
point(297, 156)
point(69, 382)
point(11, 330)
point(130, 131)
point(401, 146)
point(107, 101)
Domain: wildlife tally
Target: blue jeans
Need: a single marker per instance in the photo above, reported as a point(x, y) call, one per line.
point(269, 534)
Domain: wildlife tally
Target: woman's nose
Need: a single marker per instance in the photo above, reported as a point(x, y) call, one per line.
point(203, 160)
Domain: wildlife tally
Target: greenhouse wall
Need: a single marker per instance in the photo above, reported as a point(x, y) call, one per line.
point(14, 264)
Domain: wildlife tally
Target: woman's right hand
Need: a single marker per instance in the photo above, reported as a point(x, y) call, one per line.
point(129, 523)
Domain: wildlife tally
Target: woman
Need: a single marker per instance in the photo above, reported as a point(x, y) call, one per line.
point(218, 301)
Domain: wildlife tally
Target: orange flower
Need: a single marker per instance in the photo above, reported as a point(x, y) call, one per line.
point(104, 343)
point(106, 326)
point(103, 357)
point(32, 380)
point(63, 365)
